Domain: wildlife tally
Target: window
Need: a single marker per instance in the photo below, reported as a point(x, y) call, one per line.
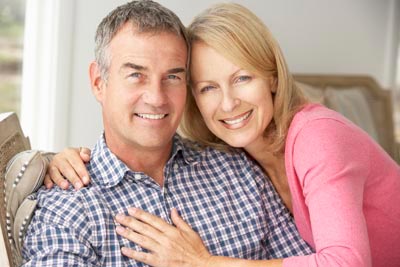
point(12, 14)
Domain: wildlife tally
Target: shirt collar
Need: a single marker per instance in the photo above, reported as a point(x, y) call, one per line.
point(109, 170)
point(105, 165)
point(188, 150)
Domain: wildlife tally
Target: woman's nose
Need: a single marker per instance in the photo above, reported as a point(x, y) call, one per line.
point(229, 102)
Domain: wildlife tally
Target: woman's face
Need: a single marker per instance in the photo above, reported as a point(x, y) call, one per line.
point(236, 105)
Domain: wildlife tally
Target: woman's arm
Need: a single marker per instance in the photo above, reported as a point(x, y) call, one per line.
point(331, 164)
point(173, 246)
point(67, 167)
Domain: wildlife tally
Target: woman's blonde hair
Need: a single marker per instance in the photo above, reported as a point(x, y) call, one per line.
point(242, 38)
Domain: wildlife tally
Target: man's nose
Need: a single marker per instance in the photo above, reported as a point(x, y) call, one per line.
point(229, 101)
point(155, 94)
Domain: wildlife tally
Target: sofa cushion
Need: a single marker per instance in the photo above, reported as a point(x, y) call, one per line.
point(312, 93)
point(352, 103)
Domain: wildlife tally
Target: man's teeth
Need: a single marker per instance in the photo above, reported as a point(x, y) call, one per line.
point(231, 122)
point(151, 116)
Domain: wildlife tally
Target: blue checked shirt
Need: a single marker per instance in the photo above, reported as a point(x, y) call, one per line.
point(223, 196)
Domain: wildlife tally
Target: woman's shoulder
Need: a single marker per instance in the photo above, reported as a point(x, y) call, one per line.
point(313, 111)
point(313, 115)
point(318, 135)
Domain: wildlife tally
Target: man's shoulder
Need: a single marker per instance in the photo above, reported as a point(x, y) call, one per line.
point(70, 202)
point(206, 152)
point(230, 159)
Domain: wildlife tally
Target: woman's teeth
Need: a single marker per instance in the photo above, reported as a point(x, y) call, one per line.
point(231, 122)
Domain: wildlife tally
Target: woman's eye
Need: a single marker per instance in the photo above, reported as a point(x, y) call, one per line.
point(206, 89)
point(243, 78)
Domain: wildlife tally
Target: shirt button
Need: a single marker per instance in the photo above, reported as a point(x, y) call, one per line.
point(176, 166)
point(137, 176)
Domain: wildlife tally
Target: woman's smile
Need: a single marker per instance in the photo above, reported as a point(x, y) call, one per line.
point(238, 121)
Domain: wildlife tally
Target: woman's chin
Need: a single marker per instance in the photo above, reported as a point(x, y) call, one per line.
point(237, 143)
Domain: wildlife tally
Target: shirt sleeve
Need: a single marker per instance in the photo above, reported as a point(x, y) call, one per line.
point(59, 233)
point(331, 160)
point(283, 238)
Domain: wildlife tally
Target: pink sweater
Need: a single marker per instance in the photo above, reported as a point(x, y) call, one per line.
point(345, 192)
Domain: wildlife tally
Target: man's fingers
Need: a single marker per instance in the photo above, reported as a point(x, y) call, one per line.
point(150, 219)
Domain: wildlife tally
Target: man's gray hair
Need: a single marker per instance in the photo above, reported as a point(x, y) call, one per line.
point(145, 15)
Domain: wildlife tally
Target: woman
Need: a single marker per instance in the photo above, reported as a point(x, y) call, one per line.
point(339, 185)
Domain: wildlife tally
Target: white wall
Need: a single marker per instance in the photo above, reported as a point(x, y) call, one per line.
point(317, 36)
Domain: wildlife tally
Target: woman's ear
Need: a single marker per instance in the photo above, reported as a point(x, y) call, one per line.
point(273, 84)
point(96, 81)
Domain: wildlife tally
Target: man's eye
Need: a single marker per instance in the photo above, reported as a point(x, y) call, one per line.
point(135, 75)
point(173, 77)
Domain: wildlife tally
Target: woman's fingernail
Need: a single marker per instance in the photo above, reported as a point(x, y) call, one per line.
point(132, 210)
point(125, 250)
point(120, 217)
point(120, 229)
point(64, 184)
point(78, 185)
point(85, 179)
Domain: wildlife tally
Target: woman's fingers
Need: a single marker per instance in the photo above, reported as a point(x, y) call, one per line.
point(144, 257)
point(85, 153)
point(68, 164)
point(77, 159)
point(143, 241)
point(48, 182)
point(138, 226)
point(179, 222)
point(56, 177)
point(169, 246)
point(150, 219)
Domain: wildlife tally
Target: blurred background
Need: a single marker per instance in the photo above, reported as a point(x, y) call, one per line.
point(46, 47)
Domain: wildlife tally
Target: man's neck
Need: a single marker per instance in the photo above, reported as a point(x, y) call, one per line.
point(140, 159)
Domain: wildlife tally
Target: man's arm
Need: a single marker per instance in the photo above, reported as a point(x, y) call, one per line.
point(284, 239)
point(60, 232)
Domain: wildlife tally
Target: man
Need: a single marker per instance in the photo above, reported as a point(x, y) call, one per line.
point(139, 78)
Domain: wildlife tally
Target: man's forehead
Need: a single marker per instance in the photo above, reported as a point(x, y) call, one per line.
point(145, 51)
point(128, 66)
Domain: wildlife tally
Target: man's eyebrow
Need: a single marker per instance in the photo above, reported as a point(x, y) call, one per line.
point(176, 70)
point(130, 65)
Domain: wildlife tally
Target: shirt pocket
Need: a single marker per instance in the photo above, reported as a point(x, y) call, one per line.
point(241, 239)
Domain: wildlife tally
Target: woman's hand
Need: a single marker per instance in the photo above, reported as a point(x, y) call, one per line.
point(168, 245)
point(70, 163)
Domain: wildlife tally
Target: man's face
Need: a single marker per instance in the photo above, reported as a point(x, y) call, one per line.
point(144, 96)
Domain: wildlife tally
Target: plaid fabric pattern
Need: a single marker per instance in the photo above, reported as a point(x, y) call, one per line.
point(224, 197)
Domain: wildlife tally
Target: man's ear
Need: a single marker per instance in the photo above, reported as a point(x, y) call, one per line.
point(96, 81)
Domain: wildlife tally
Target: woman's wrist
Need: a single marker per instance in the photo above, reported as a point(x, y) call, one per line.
point(210, 261)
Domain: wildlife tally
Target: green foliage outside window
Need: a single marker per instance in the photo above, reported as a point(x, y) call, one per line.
point(12, 14)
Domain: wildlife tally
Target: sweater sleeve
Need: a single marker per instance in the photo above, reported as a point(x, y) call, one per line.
point(331, 161)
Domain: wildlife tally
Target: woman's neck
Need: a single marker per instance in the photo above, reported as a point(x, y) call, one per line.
point(274, 166)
